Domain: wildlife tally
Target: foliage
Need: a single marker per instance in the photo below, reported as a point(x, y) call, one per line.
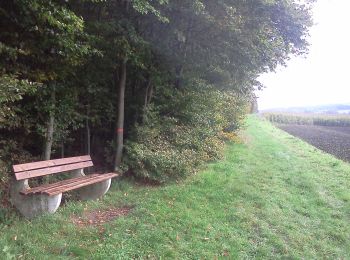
point(145, 7)
point(173, 143)
point(11, 91)
point(191, 71)
point(309, 119)
point(40, 40)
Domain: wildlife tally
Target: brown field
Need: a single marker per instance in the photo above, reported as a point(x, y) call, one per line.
point(331, 139)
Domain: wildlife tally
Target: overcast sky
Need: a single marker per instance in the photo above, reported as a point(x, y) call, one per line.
point(323, 76)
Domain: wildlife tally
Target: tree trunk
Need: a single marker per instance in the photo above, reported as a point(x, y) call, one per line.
point(178, 77)
point(120, 117)
point(184, 50)
point(147, 95)
point(147, 100)
point(62, 149)
point(88, 137)
point(150, 94)
point(88, 131)
point(50, 129)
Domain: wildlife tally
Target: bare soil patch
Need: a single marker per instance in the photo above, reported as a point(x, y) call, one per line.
point(99, 217)
point(331, 139)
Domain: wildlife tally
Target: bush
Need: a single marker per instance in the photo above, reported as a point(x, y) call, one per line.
point(172, 143)
point(10, 153)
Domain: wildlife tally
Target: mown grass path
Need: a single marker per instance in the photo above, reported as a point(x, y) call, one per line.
point(273, 196)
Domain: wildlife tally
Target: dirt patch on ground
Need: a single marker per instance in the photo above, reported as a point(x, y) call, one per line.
point(99, 217)
point(331, 139)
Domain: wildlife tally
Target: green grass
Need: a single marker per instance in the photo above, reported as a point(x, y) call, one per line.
point(273, 196)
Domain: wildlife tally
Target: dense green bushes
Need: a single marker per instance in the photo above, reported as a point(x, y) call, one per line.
point(308, 119)
point(172, 143)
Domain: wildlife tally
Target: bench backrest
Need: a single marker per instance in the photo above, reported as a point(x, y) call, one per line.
point(42, 168)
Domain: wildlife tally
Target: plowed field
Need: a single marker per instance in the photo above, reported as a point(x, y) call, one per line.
point(331, 139)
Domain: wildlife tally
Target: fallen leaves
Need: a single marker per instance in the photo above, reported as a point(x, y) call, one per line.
point(98, 217)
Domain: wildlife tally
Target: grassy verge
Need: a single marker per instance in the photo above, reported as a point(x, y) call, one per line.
point(273, 196)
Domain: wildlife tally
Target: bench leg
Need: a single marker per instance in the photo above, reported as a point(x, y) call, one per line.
point(93, 191)
point(31, 206)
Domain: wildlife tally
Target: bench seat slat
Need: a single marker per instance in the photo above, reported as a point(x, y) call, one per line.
point(74, 186)
point(39, 189)
point(70, 184)
point(50, 163)
point(52, 170)
point(84, 179)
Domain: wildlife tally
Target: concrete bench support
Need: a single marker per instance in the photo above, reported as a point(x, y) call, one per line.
point(34, 205)
point(93, 191)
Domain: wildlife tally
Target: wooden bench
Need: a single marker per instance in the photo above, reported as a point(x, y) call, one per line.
point(46, 198)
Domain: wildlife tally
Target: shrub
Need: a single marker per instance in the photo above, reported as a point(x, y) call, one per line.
point(176, 138)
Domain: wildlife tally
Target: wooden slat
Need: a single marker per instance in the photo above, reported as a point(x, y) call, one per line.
point(70, 184)
point(50, 163)
point(52, 170)
point(39, 189)
point(73, 186)
point(73, 183)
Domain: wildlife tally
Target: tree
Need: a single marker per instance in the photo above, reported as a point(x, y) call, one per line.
point(167, 77)
point(41, 41)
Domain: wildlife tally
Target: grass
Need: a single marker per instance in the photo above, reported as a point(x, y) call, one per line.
point(273, 196)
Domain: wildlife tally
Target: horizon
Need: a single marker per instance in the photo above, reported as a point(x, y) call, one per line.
point(308, 106)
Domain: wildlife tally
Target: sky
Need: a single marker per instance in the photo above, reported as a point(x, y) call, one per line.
point(323, 76)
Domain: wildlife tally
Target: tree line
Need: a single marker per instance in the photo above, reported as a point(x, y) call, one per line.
point(147, 86)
